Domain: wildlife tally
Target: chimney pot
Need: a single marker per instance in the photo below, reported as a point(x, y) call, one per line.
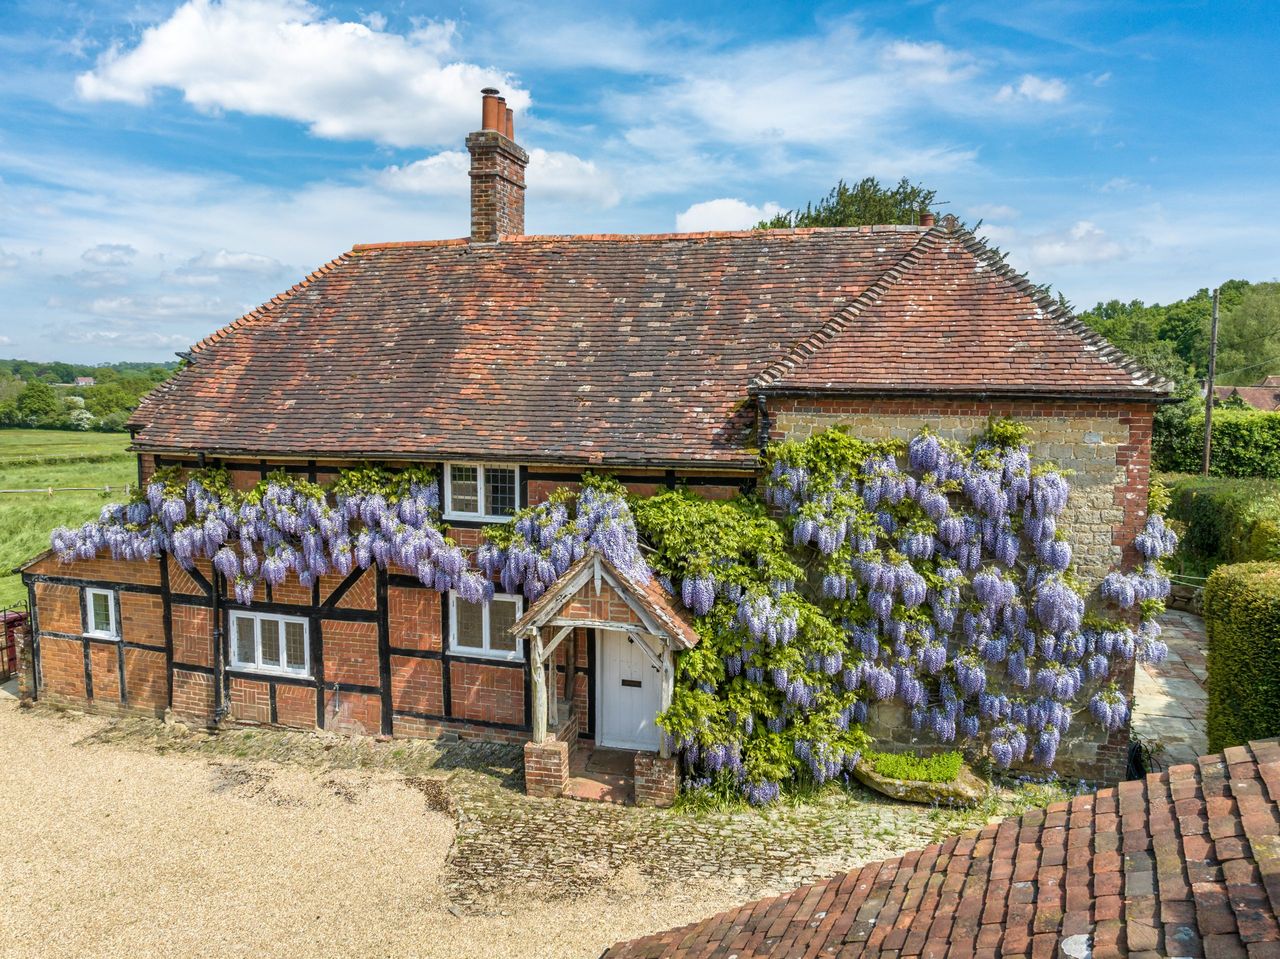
point(511, 124)
point(927, 219)
point(491, 107)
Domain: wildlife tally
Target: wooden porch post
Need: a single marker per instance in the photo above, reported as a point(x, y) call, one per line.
point(539, 678)
point(665, 692)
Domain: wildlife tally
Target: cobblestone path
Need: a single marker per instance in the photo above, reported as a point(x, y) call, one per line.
point(1169, 699)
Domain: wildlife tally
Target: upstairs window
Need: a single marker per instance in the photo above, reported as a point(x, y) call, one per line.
point(477, 629)
point(480, 492)
point(271, 644)
point(100, 614)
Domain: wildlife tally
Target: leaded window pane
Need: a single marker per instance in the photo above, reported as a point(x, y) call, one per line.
point(295, 645)
point(469, 628)
point(245, 652)
point(502, 616)
point(270, 642)
point(100, 604)
point(464, 489)
point(499, 491)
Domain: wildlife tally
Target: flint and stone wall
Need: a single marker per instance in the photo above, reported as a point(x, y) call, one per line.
point(1104, 449)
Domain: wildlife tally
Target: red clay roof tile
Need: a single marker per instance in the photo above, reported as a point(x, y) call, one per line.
point(613, 349)
point(1186, 863)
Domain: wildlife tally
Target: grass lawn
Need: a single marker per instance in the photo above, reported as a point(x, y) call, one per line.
point(39, 459)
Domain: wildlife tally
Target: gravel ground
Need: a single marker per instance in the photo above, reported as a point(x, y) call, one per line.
point(120, 851)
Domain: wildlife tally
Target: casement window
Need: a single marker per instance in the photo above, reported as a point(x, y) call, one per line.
point(100, 614)
point(476, 629)
point(268, 643)
point(480, 491)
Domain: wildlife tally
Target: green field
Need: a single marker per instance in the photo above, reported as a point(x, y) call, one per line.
point(40, 459)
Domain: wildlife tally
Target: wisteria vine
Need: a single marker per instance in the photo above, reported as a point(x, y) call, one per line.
point(284, 525)
point(949, 584)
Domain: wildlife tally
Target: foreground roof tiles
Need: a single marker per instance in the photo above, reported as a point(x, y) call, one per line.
point(1186, 863)
point(615, 349)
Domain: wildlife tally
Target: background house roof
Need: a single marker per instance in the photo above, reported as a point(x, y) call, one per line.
point(1264, 396)
point(1186, 863)
point(618, 349)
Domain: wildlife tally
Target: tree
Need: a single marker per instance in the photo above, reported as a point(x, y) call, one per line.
point(1249, 337)
point(867, 203)
point(38, 404)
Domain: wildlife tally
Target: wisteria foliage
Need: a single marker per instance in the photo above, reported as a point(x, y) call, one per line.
point(943, 573)
point(284, 526)
point(539, 545)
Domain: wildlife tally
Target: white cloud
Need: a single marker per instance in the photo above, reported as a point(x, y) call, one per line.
point(1034, 89)
point(993, 211)
point(109, 254)
point(723, 214)
point(229, 260)
point(9, 261)
point(552, 176)
point(442, 174)
point(282, 58)
point(1117, 184)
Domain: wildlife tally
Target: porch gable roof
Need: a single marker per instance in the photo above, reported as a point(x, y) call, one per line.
point(581, 597)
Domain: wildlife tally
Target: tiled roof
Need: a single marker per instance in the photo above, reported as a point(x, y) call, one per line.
point(1186, 863)
point(650, 597)
point(609, 349)
point(952, 315)
point(1263, 397)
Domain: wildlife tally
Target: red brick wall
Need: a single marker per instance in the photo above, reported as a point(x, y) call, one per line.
point(350, 652)
point(296, 706)
point(414, 618)
point(59, 608)
point(416, 685)
point(250, 701)
point(142, 618)
point(62, 666)
point(486, 693)
point(144, 679)
point(291, 591)
point(104, 570)
point(193, 696)
point(104, 664)
point(353, 713)
point(192, 634)
point(363, 593)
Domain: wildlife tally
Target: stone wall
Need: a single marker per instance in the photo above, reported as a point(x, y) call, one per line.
point(1104, 448)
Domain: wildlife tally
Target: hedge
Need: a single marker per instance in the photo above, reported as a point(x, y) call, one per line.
point(1225, 520)
point(1242, 615)
point(1245, 442)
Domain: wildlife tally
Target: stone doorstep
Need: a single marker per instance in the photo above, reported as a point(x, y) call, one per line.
point(599, 787)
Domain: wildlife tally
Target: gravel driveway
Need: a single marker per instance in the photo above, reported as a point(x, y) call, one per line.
point(118, 851)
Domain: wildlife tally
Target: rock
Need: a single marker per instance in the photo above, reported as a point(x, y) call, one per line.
point(965, 790)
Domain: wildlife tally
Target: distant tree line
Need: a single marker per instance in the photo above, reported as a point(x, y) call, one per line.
point(45, 395)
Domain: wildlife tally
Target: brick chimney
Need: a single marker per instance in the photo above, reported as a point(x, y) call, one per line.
point(497, 173)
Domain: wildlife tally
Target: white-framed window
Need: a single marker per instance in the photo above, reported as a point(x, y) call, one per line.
point(481, 491)
point(268, 643)
point(477, 629)
point(100, 614)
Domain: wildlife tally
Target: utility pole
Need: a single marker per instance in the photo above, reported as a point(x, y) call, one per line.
point(1208, 390)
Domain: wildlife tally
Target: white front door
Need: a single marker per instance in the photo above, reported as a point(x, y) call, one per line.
point(627, 693)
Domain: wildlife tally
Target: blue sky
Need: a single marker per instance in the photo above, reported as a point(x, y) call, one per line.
point(167, 166)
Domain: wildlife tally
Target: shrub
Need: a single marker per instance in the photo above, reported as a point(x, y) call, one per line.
point(1245, 443)
point(1242, 613)
point(1227, 520)
point(940, 768)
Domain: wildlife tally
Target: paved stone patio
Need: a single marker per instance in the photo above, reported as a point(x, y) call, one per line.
point(1170, 699)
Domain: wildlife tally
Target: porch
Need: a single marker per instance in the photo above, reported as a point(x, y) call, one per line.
point(635, 632)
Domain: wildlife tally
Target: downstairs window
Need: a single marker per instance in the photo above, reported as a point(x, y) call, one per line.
point(268, 643)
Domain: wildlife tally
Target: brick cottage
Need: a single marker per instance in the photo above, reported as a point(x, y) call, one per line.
point(513, 363)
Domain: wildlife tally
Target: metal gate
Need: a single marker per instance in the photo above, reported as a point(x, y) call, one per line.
point(12, 620)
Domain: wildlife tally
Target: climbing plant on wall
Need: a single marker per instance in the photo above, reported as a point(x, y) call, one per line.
point(284, 525)
point(930, 573)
